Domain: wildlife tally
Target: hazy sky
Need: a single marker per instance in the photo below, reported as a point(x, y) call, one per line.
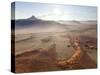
point(54, 12)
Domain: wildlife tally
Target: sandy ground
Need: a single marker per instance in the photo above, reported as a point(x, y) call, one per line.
point(56, 50)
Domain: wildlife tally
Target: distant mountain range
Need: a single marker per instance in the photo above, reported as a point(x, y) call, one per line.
point(37, 25)
point(92, 22)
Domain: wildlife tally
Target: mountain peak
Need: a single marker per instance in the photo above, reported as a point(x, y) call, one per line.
point(32, 18)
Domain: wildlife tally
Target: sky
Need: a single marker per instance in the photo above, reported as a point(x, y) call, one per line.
point(53, 11)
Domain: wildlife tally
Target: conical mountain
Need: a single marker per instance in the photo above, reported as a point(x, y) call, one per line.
point(33, 18)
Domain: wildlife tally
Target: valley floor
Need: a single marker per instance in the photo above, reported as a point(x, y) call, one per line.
point(55, 51)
